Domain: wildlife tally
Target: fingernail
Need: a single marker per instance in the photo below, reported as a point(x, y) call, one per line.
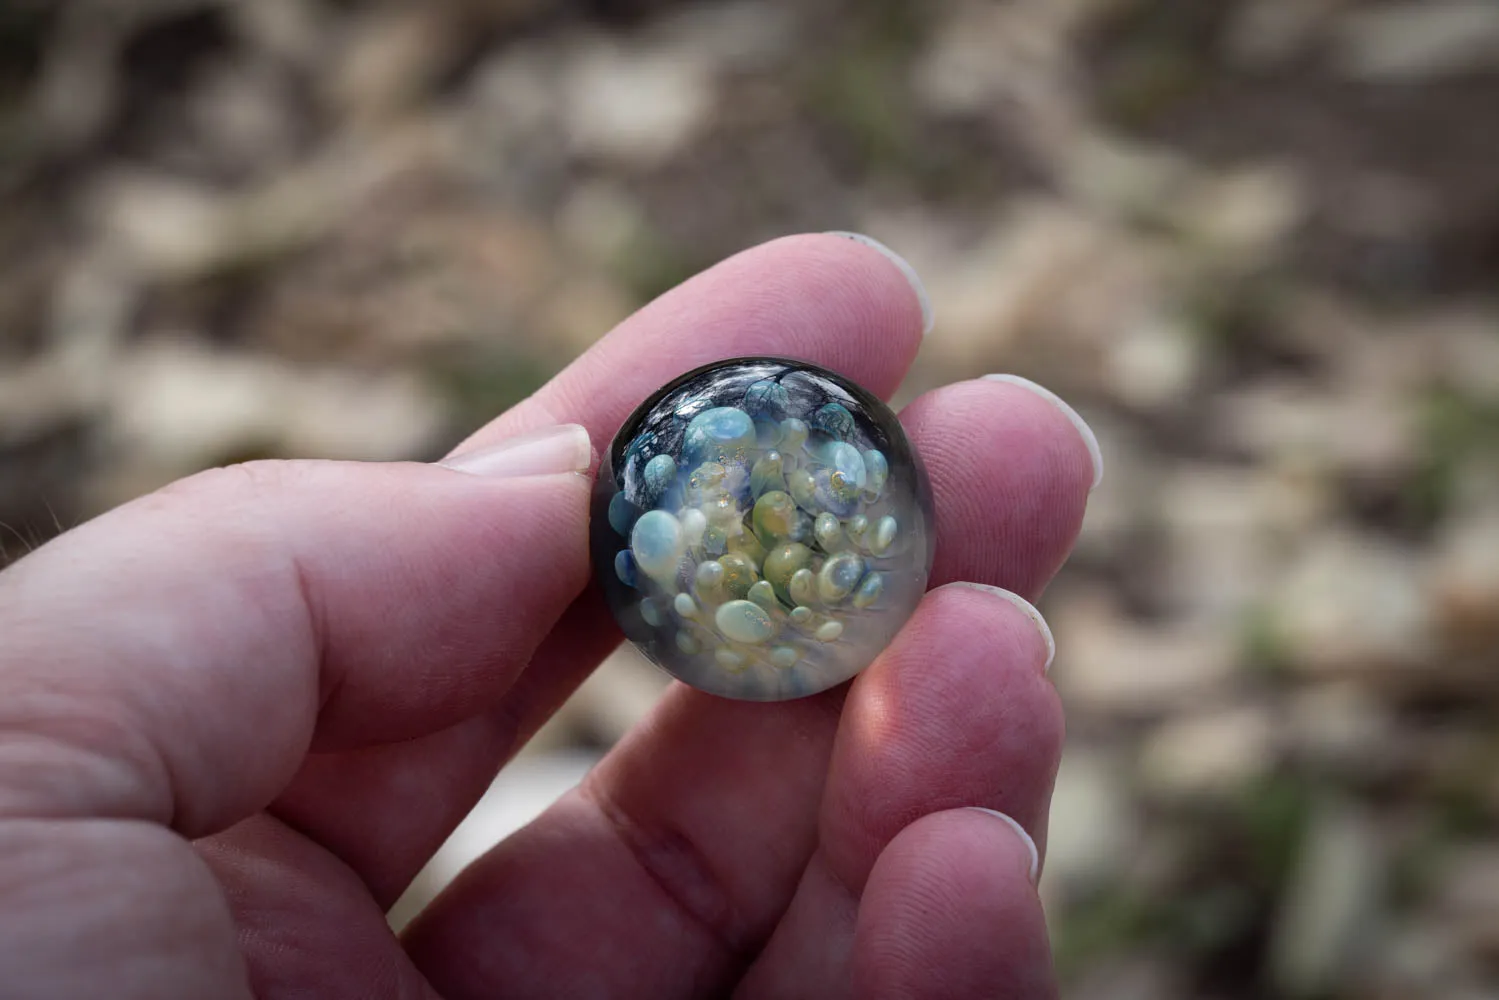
point(1030, 845)
point(1027, 607)
point(549, 451)
point(1089, 438)
point(928, 315)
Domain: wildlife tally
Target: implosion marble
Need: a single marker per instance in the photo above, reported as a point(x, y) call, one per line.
point(762, 528)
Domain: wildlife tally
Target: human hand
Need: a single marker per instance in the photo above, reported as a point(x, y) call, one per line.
point(238, 715)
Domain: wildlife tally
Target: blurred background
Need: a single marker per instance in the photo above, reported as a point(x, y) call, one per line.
point(1256, 242)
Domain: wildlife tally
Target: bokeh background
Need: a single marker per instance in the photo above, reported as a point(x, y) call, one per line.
point(1255, 241)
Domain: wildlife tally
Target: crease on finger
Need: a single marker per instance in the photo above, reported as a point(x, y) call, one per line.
point(679, 867)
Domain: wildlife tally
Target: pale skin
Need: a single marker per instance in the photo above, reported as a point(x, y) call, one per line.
point(238, 715)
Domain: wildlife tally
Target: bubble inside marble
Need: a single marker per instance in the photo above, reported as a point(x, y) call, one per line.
point(762, 528)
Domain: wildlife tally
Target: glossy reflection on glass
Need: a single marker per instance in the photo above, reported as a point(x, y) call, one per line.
point(762, 528)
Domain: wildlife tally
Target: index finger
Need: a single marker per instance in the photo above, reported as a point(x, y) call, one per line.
point(839, 300)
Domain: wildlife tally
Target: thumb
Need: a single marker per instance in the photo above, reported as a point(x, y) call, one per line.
point(175, 659)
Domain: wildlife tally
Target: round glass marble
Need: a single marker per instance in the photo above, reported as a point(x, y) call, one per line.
point(762, 528)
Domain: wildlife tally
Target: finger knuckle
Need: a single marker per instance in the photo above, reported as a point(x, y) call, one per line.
point(253, 480)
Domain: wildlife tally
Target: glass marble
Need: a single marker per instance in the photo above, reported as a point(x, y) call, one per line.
point(762, 528)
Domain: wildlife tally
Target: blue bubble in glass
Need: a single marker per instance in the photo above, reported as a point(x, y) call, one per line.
point(722, 433)
point(767, 399)
point(624, 568)
point(621, 514)
point(762, 528)
point(834, 420)
point(660, 474)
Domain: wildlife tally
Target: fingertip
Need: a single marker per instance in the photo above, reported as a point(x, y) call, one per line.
point(957, 711)
point(950, 910)
point(1010, 481)
point(1084, 432)
point(865, 294)
point(907, 271)
point(1026, 608)
point(1032, 853)
point(543, 452)
point(814, 297)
